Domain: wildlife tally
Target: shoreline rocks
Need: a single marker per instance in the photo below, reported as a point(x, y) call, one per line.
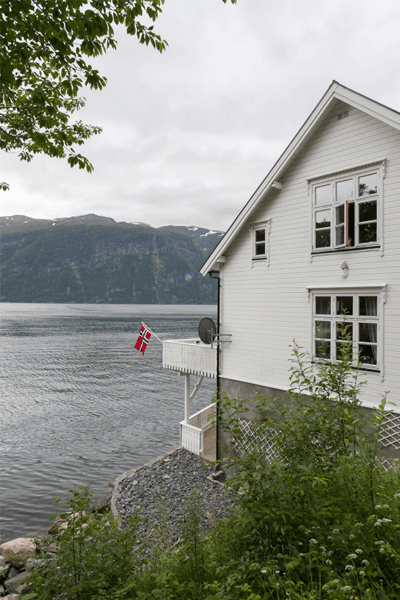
point(163, 483)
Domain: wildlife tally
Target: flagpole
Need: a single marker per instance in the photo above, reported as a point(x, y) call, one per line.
point(152, 332)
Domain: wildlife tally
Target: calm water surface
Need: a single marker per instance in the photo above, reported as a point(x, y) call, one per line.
point(78, 405)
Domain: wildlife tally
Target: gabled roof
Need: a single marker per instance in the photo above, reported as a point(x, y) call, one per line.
point(335, 92)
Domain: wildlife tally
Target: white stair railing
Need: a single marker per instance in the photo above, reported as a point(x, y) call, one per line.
point(192, 433)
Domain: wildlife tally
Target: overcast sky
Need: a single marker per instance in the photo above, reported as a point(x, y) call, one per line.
point(188, 135)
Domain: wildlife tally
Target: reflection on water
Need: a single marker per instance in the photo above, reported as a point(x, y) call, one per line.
point(79, 405)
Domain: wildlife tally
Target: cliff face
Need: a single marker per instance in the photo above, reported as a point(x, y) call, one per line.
point(95, 259)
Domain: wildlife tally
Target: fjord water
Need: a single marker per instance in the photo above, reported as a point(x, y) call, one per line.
point(78, 405)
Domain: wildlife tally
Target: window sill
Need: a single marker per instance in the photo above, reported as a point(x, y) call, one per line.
point(260, 258)
point(317, 361)
point(339, 250)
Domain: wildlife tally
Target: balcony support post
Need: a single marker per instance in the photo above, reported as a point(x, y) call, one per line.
point(189, 396)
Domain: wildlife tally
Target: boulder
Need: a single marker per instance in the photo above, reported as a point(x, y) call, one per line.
point(17, 584)
point(18, 551)
point(4, 569)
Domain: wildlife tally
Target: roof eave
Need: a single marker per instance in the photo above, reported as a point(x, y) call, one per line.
point(335, 92)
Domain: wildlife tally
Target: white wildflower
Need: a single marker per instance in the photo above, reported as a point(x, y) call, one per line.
point(386, 520)
point(365, 562)
point(348, 568)
point(300, 543)
point(359, 551)
point(352, 556)
point(336, 531)
point(396, 496)
point(328, 562)
point(362, 573)
point(312, 541)
point(352, 536)
point(378, 523)
point(378, 506)
point(263, 571)
point(346, 588)
point(382, 550)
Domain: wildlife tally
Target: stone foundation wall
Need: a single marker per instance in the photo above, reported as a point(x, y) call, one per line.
point(235, 389)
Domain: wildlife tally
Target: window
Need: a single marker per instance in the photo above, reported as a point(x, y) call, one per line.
point(260, 240)
point(346, 210)
point(359, 314)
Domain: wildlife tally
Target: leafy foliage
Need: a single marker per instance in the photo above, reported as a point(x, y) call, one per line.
point(320, 522)
point(44, 52)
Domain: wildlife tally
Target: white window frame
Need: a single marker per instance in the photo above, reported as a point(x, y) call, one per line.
point(355, 292)
point(253, 228)
point(331, 204)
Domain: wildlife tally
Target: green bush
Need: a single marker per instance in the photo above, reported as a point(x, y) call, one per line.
point(321, 521)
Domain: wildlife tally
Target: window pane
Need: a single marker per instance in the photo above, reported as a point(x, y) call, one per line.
point(344, 331)
point(323, 305)
point(368, 306)
point(323, 329)
point(344, 305)
point(260, 235)
point(339, 210)
point(367, 211)
point(367, 233)
point(368, 354)
point(344, 350)
point(344, 190)
point(367, 332)
point(322, 349)
point(260, 249)
point(323, 238)
point(322, 218)
point(339, 236)
point(368, 184)
point(323, 194)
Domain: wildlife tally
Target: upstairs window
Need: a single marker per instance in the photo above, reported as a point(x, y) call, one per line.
point(260, 241)
point(346, 211)
point(359, 315)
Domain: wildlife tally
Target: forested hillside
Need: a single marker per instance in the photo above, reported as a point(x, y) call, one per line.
point(94, 259)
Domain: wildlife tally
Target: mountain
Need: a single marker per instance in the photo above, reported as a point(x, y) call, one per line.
point(95, 259)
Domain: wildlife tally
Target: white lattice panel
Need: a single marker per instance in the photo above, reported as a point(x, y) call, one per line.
point(253, 437)
point(390, 434)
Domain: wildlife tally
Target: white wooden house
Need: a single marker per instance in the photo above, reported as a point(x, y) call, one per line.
point(321, 235)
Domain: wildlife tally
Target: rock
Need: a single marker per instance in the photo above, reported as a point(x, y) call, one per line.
point(4, 569)
point(2, 590)
point(35, 563)
point(18, 551)
point(12, 597)
point(13, 572)
point(16, 584)
point(103, 503)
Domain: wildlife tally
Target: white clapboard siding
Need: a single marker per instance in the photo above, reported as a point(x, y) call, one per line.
point(265, 307)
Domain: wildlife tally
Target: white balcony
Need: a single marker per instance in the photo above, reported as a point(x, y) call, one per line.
point(190, 356)
point(198, 435)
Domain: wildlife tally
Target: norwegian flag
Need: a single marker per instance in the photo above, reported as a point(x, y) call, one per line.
point(143, 339)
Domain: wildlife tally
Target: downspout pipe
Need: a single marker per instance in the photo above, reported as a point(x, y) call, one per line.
point(215, 275)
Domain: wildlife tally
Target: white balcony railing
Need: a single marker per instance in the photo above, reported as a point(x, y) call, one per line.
point(190, 356)
point(192, 433)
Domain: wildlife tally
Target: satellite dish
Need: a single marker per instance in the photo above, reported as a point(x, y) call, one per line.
point(207, 330)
